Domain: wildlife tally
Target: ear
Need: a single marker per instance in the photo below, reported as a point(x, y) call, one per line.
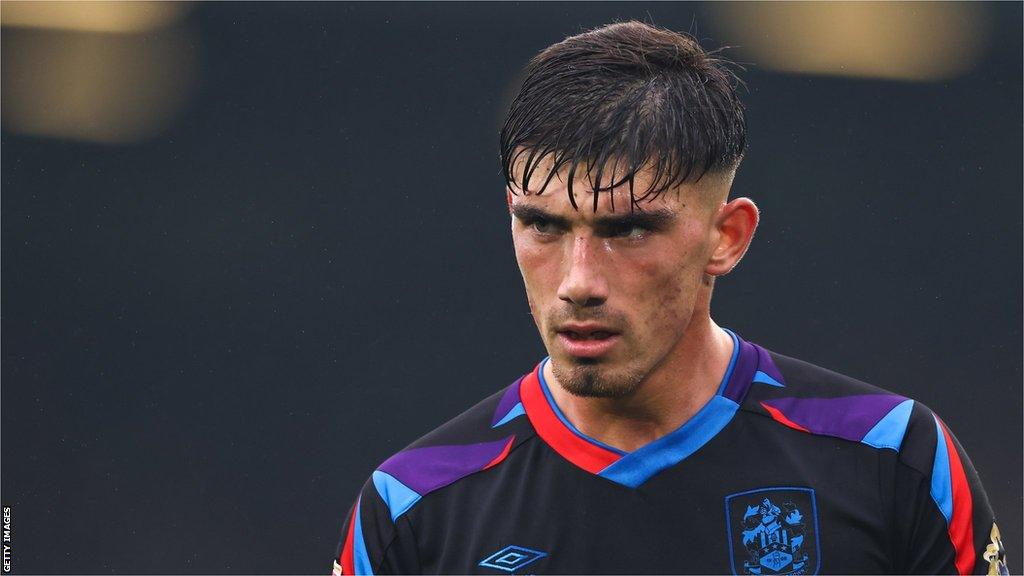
point(735, 224)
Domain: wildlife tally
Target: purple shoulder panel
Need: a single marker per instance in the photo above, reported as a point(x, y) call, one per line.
point(742, 372)
point(507, 403)
point(431, 467)
point(848, 417)
point(767, 365)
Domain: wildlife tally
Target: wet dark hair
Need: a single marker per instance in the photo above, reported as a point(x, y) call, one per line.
point(630, 95)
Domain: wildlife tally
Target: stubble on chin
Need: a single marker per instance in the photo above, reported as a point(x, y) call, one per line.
point(594, 379)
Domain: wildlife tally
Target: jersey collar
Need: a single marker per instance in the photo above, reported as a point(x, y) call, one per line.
point(634, 468)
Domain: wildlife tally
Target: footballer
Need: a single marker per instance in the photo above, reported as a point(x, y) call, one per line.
point(651, 439)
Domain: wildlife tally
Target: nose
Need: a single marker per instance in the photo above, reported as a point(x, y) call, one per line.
point(584, 283)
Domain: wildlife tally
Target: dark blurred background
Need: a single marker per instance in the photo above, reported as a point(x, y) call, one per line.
point(250, 250)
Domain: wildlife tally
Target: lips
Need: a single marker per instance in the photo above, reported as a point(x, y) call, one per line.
point(587, 340)
point(596, 335)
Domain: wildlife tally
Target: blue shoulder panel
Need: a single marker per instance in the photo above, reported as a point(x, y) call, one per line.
point(413, 473)
point(361, 558)
point(889, 431)
point(513, 413)
point(398, 496)
point(765, 378)
point(942, 483)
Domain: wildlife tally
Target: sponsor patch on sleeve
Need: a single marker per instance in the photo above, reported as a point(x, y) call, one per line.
point(995, 554)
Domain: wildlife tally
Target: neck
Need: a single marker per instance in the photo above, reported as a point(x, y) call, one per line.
point(667, 398)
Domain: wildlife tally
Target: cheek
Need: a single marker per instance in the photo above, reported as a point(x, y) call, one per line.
point(538, 268)
point(668, 301)
point(665, 289)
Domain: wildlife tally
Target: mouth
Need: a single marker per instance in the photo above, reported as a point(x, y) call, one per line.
point(595, 335)
point(587, 341)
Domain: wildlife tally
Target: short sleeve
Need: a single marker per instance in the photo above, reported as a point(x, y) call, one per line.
point(943, 521)
point(372, 542)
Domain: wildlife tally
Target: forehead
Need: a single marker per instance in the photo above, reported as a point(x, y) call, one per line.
point(550, 191)
point(589, 205)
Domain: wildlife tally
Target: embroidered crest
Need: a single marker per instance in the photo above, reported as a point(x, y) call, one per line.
point(773, 531)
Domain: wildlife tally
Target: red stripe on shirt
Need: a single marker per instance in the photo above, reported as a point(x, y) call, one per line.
point(348, 565)
point(778, 416)
point(504, 452)
point(961, 525)
point(586, 455)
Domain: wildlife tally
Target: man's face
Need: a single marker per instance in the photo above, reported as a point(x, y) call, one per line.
point(612, 292)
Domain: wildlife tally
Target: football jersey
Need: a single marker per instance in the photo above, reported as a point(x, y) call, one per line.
point(788, 469)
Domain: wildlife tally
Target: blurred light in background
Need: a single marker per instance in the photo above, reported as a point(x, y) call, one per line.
point(916, 41)
point(92, 16)
point(111, 72)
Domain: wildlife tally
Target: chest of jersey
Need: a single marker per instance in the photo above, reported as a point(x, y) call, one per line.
point(757, 499)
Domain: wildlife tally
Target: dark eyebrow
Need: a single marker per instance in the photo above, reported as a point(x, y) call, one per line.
point(532, 214)
point(652, 220)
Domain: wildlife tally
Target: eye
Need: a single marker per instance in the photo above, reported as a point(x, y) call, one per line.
point(630, 231)
point(542, 226)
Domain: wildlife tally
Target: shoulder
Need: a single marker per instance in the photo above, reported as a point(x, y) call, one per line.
point(826, 404)
point(942, 517)
point(476, 440)
point(822, 402)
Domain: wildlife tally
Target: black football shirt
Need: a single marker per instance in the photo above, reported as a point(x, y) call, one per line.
point(788, 469)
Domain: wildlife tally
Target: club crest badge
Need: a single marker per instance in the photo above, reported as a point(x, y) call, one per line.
point(773, 531)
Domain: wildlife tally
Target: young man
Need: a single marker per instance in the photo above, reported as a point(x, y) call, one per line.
point(652, 440)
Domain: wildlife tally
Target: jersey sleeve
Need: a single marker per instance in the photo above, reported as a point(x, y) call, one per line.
point(943, 521)
point(372, 542)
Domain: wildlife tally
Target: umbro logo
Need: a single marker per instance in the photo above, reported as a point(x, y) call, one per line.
point(512, 558)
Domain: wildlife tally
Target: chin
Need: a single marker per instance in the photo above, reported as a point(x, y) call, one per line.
point(594, 378)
